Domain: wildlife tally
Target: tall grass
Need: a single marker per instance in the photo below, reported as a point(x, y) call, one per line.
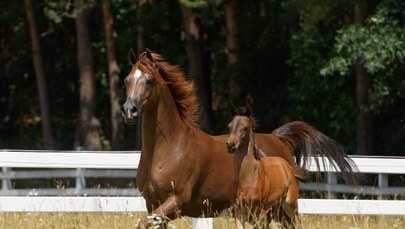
point(39, 220)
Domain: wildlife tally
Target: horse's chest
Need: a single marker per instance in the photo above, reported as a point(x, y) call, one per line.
point(160, 180)
point(253, 185)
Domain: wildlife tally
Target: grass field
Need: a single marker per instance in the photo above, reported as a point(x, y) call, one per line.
point(128, 220)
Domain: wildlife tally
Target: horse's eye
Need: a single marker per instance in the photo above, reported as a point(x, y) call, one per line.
point(149, 80)
point(245, 129)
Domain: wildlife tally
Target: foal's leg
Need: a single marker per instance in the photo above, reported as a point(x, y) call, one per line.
point(260, 219)
point(239, 211)
point(241, 218)
point(290, 207)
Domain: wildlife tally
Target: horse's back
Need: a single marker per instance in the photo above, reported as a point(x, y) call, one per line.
point(272, 146)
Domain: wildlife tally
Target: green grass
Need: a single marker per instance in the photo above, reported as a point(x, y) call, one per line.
point(128, 220)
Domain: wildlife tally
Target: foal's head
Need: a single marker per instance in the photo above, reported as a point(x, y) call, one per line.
point(239, 128)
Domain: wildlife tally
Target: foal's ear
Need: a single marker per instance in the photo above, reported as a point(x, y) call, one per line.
point(131, 57)
point(149, 55)
point(248, 110)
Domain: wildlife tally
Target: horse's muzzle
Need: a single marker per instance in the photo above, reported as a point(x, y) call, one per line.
point(129, 112)
point(231, 147)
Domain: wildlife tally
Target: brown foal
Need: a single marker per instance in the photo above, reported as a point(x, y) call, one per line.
point(263, 182)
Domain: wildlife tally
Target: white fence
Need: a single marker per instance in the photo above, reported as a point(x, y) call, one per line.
point(31, 164)
point(79, 165)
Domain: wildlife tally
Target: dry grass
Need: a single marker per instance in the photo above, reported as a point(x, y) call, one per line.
point(352, 221)
point(128, 220)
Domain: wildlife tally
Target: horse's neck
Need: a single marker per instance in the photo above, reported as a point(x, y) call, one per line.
point(245, 161)
point(251, 149)
point(159, 123)
point(149, 123)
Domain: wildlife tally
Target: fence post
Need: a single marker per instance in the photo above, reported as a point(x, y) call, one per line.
point(80, 181)
point(382, 183)
point(5, 182)
point(331, 180)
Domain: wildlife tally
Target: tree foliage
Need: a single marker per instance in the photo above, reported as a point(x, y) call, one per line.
point(379, 45)
point(295, 62)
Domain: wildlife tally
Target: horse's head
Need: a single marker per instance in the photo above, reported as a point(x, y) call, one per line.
point(140, 84)
point(239, 128)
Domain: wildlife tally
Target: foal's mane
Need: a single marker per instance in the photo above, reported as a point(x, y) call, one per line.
point(183, 91)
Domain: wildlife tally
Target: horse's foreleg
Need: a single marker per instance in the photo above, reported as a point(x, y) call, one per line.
point(169, 208)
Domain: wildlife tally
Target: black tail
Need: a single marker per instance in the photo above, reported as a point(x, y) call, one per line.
point(305, 141)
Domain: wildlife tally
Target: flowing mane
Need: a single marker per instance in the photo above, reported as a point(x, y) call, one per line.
point(183, 91)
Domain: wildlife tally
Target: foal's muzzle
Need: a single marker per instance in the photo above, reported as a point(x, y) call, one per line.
point(129, 112)
point(231, 147)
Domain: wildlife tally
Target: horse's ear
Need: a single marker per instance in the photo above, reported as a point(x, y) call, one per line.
point(131, 57)
point(149, 55)
point(233, 111)
point(248, 110)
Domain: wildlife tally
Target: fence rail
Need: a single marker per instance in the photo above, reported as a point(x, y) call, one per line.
point(79, 165)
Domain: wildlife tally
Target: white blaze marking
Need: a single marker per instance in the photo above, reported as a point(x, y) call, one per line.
point(137, 74)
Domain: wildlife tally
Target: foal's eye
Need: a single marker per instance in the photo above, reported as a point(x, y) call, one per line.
point(148, 80)
point(245, 129)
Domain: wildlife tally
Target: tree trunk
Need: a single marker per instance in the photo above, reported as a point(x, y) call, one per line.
point(140, 47)
point(235, 90)
point(40, 76)
point(140, 41)
point(364, 120)
point(87, 135)
point(117, 126)
point(197, 65)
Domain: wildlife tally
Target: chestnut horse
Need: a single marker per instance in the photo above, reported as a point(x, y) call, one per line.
point(182, 169)
point(263, 182)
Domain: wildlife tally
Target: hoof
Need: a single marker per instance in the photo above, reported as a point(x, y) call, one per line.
point(152, 220)
point(143, 223)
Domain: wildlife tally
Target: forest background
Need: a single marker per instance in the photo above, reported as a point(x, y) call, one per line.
point(338, 65)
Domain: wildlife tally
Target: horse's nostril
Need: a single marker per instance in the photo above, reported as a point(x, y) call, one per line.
point(128, 110)
point(134, 110)
point(230, 146)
